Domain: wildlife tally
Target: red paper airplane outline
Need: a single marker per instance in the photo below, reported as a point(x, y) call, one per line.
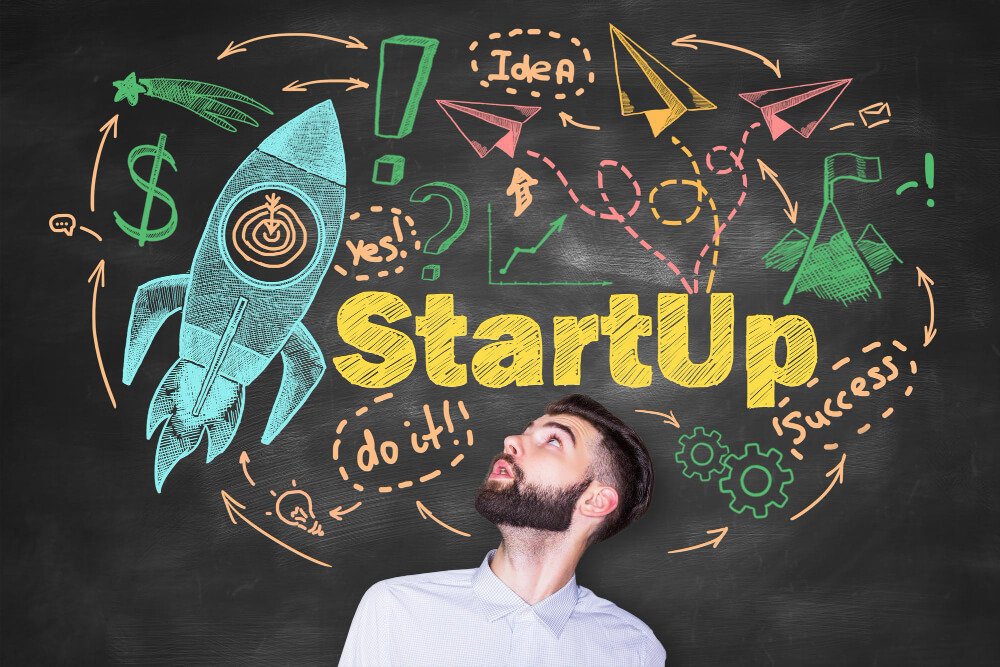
point(770, 110)
point(506, 143)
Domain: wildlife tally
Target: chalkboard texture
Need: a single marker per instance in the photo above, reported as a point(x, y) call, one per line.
point(255, 252)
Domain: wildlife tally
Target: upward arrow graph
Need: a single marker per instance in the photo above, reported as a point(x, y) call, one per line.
point(555, 226)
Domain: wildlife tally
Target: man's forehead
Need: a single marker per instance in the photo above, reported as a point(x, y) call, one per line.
point(583, 431)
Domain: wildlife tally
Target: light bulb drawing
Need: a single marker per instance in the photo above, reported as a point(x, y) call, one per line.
point(295, 508)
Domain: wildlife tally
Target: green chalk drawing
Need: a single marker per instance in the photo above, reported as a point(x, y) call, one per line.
point(928, 176)
point(787, 254)
point(489, 260)
point(411, 58)
point(555, 226)
point(199, 97)
point(756, 480)
point(388, 170)
point(442, 239)
point(828, 263)
point(428, 47)
point(143, 233)
point(876, 252)
point(702, 454)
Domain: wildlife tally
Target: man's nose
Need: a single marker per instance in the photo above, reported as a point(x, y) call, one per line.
point(513, 446)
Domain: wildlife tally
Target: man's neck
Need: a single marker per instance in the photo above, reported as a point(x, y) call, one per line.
point(535, 563)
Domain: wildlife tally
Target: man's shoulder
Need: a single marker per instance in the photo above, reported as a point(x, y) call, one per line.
point(617, 622)
point(425, 583)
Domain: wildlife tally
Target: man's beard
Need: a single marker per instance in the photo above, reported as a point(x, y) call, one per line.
point(522, 505)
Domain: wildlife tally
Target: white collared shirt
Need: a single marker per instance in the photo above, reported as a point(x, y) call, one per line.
point(470, 617)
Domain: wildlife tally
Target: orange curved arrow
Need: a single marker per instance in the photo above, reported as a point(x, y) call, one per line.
point(244, 460)
point(690, 42)
point(338, 512)
point(714, 541)
point(97, 277)
point(424, 512)
point(838, 472)
point(299, 87)
point(929, 330)
point(231, 507)
point(110, 126)
point(351, 42)
point(667, 418)
point(566, 118)
point(791, 209)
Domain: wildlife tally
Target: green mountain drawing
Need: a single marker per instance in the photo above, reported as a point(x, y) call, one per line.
point(876, 252)
point(828, 263)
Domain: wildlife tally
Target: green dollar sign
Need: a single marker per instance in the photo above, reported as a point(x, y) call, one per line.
point(159, 154)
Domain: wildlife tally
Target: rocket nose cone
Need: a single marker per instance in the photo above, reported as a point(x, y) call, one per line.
point(311, 141)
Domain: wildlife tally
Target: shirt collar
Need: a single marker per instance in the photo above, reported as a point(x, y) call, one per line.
point(498, 600)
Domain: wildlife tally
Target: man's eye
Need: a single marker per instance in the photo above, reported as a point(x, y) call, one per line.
point(555, 440)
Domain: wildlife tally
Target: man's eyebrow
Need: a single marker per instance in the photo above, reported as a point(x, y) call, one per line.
point(562, 427)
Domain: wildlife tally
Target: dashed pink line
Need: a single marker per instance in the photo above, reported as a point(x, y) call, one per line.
point(737, 158)
point(612, 213)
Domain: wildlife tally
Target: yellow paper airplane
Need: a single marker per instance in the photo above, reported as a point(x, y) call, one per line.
point(643, 86)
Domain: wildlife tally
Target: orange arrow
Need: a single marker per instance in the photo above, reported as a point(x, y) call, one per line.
point(97, 277)
point(351, 42)
point(424, 512)
point(244, 460)
point(566, 118)
point(298, 87)
point(791, 209)
point(714, 542)
point(929, 330)
point(690, 42)
point(110, 126)
point(231, 507)
point(667, 418)
point(338, 512)
point(838, 472)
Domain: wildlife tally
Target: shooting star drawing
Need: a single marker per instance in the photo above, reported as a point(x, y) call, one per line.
point(268, 243)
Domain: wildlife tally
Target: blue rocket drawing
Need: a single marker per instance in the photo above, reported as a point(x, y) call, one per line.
point(269, 240)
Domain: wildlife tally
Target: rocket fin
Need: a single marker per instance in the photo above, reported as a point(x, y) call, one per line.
point(154, 302)
point(304, 366)
point(174, 403)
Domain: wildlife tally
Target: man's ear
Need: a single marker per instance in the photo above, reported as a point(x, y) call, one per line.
point(599, 501)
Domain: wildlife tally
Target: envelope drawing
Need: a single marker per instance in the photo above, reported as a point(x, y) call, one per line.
point(875, 114)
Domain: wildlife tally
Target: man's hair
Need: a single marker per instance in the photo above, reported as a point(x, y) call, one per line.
point(621, 460)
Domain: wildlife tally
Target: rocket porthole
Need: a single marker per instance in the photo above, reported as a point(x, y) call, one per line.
point(271, 235)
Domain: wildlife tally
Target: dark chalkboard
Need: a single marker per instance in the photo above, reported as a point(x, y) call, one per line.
point(829, 534)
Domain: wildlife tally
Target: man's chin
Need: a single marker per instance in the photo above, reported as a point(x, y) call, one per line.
point(503, 502)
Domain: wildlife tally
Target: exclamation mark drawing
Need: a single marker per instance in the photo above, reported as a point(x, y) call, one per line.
point(928, 176)
point(404, 66)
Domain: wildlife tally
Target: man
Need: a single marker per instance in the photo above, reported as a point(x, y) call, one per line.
point(576, 476)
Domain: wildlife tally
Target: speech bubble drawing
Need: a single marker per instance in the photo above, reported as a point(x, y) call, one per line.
point(63, 223)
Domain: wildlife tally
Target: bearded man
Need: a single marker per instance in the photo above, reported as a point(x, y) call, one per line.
point(576, 476)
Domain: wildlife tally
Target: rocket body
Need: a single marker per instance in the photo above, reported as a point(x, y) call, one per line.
point(268, 243)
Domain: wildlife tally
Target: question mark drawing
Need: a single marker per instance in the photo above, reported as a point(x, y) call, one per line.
point(448, 234)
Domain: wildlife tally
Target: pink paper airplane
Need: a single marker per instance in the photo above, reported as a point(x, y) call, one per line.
point(487, 126)
point(799, 108)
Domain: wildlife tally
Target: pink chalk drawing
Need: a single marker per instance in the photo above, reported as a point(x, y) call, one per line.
point(612, 212)
point(736, 168)
point(486, 125)
point(800, 108)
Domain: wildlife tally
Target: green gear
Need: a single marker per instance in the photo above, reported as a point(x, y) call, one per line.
point(702, 454)
point(754, 496)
